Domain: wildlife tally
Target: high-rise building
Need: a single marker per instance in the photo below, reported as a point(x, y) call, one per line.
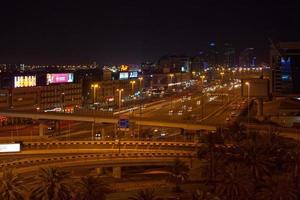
point(247, 58)
point(199, 62)
point(228, 56)
point(174, 63)
point(213, 55)
point(149, 68)
point(285, 65)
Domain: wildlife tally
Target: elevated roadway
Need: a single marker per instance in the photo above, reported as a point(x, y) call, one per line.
point(98, 119)
point(115, 160)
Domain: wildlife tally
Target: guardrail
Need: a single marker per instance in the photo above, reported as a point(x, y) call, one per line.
point(93, 157)
point(140, 143)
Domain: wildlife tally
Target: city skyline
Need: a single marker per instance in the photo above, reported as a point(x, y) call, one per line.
point(133, 32)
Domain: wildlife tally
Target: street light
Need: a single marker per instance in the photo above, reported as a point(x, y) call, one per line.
point(202, 78)
point(248, 85)
point(141, 96)
point(120, 101)
point(171, 76)
point(222, 75)
point(132, 86)
point(120, 98)
point(194, 73)
point(94, 86)
point(141, 79)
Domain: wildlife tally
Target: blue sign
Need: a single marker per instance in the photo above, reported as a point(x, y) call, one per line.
point(123, 123)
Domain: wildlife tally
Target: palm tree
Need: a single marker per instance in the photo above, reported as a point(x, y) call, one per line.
point(234, 133)
point(146, 194)
point(51, 184)
point(235, 184)
point(278, 187)
point(92, 188)
point(256, 158)
point(11, 186)
point(178, 173)
point(213, 155)
point(204, 195)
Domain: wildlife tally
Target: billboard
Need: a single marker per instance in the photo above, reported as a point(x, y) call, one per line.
point(133, 74)
point(123, 68)
point(24, 81)
point(10, 148)
point(123, 75)
point(255, 87)
point(60, 78)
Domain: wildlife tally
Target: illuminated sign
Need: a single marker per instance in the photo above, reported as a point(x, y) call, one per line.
point(133, 74)
point(124, 68)
point(60, 78)
point(123, 75)
point(24, 81)
point(9, 148)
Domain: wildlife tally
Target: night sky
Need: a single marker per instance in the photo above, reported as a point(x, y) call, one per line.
point(132, 31)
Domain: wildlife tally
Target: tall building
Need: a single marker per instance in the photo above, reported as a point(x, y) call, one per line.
point(149, 68)
point(174, 64)
point(199, 62)
point(285, 65)
point(228, 56)
point(247, 58)
point(213, 55)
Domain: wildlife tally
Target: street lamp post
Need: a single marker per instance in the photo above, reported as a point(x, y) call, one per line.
point(94, 86)
point(120, 101)
point(141, 96)
point(222, 75)
point(202, 97)
point(120, 98)
point(141, 79)
point(132, 86)
point(194, 73)
point(248, 91)
point(171, 76)
point(202, 79)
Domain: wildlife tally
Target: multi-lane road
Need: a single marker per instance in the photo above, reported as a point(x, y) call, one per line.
point(199, 106)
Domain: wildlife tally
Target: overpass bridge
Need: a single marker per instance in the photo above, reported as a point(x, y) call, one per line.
point(97, 154)
point(114, 160)
point(100, 119)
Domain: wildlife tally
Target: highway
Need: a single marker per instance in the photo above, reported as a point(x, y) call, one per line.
point(99, 160)
point(76, 153)
point(193, 107)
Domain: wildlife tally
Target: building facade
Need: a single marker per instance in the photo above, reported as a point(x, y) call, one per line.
point(59, 96)
point(285, 65)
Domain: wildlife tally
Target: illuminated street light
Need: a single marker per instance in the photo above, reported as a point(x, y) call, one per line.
point(120, 98)
point(248, 85)
point(94, 86)
point(202, 78)
point(132, 86)
point(141, 79)
point(171, 76)
point(194, 73)
point(222, 74)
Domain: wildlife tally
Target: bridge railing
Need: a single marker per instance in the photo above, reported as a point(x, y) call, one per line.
point(96, 157)
point(144, 143)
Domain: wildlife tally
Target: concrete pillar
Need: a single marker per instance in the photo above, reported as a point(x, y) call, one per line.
point(103, 133)
point(260, 108)
point(116, 172)
point(99, 171)
point(41, 129)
